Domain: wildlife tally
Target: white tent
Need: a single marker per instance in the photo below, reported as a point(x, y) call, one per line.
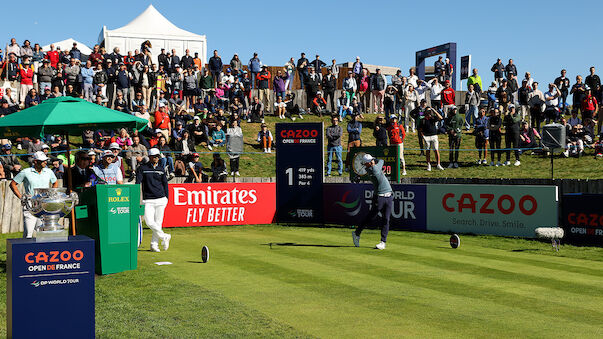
point(68, 45)
point(153, 26)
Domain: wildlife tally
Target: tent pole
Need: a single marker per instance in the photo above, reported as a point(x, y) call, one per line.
point(70, 183)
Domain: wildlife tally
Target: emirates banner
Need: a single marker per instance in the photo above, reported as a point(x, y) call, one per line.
point(218, 204)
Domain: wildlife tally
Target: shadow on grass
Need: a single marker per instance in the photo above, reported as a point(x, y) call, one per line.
point(525, 249)
point(302, 245)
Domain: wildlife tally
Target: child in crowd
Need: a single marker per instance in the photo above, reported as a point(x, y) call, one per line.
point(265, 139)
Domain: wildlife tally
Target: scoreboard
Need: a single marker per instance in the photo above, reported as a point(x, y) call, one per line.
point(389, 155)
point(299, 172)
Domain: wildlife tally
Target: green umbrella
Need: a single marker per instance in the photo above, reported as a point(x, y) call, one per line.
point(65, 115)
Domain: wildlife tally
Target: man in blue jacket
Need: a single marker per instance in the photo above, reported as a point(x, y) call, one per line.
point(215, 66)
point(255, 67)
point(87, 81)
point(155, 193)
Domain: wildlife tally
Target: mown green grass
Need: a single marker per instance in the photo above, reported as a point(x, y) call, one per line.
point(278, 281)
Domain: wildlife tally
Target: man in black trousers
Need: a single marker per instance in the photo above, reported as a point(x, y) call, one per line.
point(383, 198)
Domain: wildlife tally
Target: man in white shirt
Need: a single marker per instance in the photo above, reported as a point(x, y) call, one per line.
point(435, 93)
point(37, 176)
point(413, 78)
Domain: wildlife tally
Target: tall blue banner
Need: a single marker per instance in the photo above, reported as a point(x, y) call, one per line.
point(347, 204)
point(299, 172)
point(50, 288)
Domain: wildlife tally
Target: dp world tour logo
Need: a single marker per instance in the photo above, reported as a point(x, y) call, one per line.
point(35, 283)
point(351, 208)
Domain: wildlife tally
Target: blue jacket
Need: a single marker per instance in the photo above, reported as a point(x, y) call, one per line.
point(123, 79)
point(482, 123)
point(354, 130)
point(215, 64)
point(87, 75)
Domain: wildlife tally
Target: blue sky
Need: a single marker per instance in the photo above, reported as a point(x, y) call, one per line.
point(541, 37)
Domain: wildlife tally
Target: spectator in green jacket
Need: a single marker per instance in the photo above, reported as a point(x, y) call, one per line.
point(454, 127)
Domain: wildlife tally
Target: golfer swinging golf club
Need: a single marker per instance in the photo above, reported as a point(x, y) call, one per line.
point(383, 198)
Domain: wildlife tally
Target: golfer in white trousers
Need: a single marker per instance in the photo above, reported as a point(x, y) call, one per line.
point(155, 195)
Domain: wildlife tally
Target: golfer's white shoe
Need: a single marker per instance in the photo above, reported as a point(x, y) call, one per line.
point(155, 248)
point(166, 242)
point(356, 239)
point(380, 246)
point(517, 163)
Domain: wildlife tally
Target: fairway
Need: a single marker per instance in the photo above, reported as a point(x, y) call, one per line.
point(275, 281)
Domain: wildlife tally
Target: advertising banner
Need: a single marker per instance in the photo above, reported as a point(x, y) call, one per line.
point(220, 204)
point(466, 67)
point(389, 155)
point(299, 172)
point(347, 204)
point(497, 210)
point(582, 218)
point(50, 288)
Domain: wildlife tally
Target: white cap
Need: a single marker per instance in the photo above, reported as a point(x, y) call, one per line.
point(154, 151)
point(367, 158)
point(114, 145)
point(45, 146)
point(108, 153)
point(196, 118)
point(40, 156)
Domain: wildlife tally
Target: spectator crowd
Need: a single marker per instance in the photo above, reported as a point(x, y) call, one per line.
point(192, 106)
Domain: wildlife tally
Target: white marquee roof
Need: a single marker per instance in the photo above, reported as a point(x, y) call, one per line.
point(152, 23)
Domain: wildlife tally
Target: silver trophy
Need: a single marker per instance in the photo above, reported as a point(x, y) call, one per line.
point(50, 204)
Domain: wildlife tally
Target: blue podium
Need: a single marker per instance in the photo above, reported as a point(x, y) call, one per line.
point(50, 288)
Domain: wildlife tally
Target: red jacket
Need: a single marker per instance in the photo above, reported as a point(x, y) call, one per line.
point(448, 96)
point(162, 120)
point(26, 75)
point(319, 101)
point(396, 133)
point(53, 56)
point(589, 103)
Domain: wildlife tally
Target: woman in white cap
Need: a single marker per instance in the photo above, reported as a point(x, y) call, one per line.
point(106, 172)
point(154, 182)
point(383, 199)
point(37, 176)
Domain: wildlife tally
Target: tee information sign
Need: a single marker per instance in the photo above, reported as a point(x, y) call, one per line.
point(50, 288)
point(299, 172)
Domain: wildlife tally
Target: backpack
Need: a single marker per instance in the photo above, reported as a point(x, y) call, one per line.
point(363, 85)
point(255, 65)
